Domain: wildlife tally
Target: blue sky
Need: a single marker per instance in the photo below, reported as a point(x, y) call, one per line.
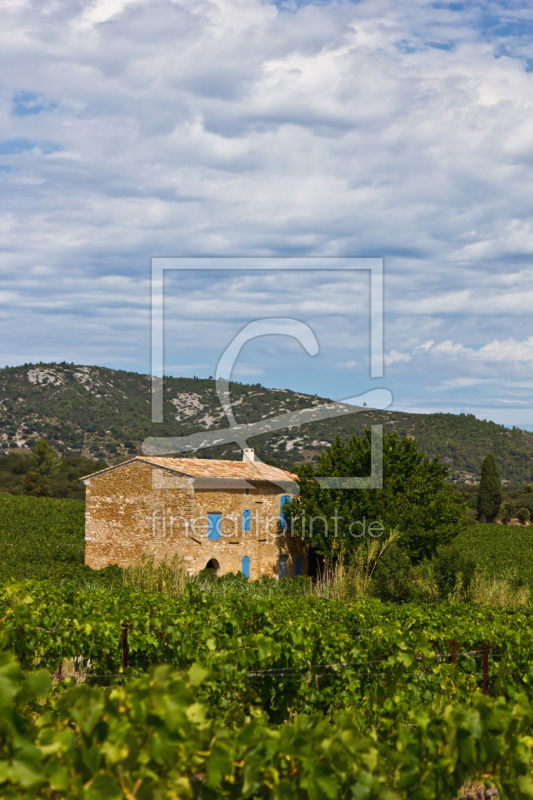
point(402, 129)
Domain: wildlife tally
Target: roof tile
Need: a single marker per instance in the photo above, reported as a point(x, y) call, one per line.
point(215, 468)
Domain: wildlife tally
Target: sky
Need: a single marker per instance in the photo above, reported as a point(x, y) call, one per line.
point(398, 129)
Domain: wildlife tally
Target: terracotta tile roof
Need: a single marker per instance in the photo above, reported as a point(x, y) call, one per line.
point(214, 468)
point(210, 468)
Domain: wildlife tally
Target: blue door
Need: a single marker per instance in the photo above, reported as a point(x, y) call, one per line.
point(246, 520)
point(246, 566)
point(298, 566)
point(286, 498)
point(282, 567)
point(213, 527)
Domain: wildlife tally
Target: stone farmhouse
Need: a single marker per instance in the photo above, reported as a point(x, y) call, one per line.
point(224, 515)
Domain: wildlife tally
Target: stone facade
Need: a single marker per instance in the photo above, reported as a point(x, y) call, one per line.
point(154, 505)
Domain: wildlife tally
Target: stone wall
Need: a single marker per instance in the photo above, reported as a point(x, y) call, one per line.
point(138, 508)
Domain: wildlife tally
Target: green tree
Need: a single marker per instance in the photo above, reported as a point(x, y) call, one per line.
point(507, 511)
point(392, 581)
point(44, 463)
point(415, 500)
point(490, 490)
point(524, 515)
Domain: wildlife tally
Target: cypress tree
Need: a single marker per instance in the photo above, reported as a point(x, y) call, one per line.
point(490, 490)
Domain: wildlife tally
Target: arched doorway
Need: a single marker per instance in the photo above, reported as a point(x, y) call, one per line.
point(214, 565)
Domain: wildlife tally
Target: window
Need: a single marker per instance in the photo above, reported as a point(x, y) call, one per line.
point(245, 569)
point(213, 526)
point(282, 567)
point(246, 520)
point(298, 567)
point(286, 498)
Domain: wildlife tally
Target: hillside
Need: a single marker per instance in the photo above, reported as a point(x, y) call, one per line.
point(105, 414)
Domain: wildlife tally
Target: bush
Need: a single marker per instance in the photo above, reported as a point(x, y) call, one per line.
point(507, 511)
point(392, 582)
point(471, 516)
point(452, 570)
point(523, 515)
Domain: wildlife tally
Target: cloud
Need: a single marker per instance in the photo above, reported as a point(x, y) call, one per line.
point(454, 383)
point(394, 357)
point(401, 130)
point(508, 351)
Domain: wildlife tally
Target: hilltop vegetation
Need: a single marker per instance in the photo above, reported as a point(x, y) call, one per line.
point(100, 413)
point(64, 481)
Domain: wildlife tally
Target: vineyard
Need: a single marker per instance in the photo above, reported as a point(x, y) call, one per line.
point(43, 538)
point(288, 697)
point(230, 689)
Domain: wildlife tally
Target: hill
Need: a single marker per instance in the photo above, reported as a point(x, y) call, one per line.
point(101, 413)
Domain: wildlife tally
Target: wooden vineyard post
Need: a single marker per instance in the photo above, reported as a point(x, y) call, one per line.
point(124, 646)
point(454, 650)
point(485, 651)
point(486, 670)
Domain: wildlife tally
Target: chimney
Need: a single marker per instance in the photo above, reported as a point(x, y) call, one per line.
point(248, 454)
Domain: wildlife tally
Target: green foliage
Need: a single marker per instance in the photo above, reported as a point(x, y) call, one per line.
point(102, 409)
point(16, 476)
point(44, 538)
point(502, 552)
point(282, 697)
point(153, 739)
point(507, 511)
point(43, 463)
point(490, 490)
point(392, 581)
point(415, 499)
point(523, 515)
point(452, 569)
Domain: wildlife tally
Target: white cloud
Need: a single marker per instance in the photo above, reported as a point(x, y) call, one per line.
point(394, 357)
point(237, 127)
point(508, 351)
point(455, 383)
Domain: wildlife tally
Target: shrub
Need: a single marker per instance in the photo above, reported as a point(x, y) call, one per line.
point(507, 511)
point(452, 570)
point(523, 515)
point(392, 580)
point(471, 516)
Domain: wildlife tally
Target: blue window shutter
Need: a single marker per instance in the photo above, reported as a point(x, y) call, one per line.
point(246, 566)
point(286, 498)
point(213, 527)
point(298, 566)
point(246, 520)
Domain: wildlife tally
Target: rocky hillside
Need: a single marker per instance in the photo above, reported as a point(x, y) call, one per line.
point(105, 414)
